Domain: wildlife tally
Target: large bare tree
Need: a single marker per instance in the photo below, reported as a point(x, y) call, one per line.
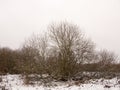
point(71, 46)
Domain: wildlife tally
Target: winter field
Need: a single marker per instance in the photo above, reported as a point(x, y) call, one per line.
point(15, 82)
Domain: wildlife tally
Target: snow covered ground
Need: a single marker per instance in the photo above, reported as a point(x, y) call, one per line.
point(15, 82)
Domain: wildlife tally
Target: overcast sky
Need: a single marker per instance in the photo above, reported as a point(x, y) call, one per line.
point(99, 19)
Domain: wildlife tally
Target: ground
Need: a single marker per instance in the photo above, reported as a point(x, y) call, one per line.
point(15, 82)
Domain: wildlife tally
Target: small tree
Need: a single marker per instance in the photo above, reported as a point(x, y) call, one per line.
point(36, 49)
point(106, 58)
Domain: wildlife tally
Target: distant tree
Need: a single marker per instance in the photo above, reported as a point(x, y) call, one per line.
point(106, 58)
point(7, 61)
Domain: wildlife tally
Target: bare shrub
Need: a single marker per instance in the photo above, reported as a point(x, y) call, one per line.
point(34, 54)
point(0, 78)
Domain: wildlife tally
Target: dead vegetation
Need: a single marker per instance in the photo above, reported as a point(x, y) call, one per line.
point(64, 53)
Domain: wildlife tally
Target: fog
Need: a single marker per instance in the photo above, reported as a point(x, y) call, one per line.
point(98, 19)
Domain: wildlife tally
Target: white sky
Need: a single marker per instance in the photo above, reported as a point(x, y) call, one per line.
point(99, 19)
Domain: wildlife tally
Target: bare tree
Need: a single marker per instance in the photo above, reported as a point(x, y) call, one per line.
point(60, 56)
point(7, 61)
point(106, 59)
point(36, 47)
point(71, 46)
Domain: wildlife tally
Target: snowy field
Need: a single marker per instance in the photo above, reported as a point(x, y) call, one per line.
point(15, 82)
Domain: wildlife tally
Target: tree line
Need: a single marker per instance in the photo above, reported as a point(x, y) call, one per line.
point(61, 52)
